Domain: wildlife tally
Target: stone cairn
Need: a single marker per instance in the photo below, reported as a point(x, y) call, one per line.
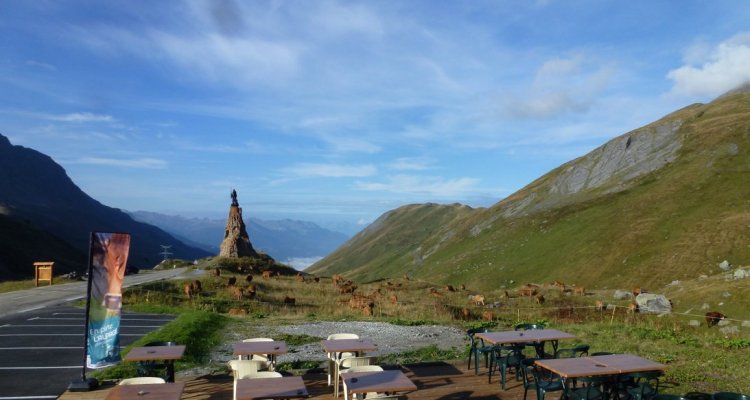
point(236, 241)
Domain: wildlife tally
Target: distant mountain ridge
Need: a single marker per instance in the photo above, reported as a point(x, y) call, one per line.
point(664, 202)
point(36, 195)
point(282, 239)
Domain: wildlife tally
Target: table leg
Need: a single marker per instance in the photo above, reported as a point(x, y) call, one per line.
point(170, 371)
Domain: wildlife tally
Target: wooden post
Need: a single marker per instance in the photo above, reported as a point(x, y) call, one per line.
point(43, 272)
point(611, 320)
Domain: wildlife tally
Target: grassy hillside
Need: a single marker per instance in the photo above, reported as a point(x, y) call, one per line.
point(674, 223)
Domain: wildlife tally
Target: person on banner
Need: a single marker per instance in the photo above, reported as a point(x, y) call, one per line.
point(109, 255)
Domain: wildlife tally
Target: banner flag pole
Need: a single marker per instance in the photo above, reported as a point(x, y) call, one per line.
point(85, 385)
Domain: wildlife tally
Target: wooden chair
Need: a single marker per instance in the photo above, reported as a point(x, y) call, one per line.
point(333, 357)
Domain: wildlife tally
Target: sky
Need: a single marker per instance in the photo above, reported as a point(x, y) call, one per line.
point(338, 111)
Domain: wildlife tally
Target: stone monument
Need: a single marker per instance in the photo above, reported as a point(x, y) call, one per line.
point(236, 241)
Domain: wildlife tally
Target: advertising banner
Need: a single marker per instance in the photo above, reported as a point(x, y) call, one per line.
point(109, 257)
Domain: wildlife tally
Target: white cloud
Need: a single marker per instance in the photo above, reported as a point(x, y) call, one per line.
point(331, 170)
point(422, 185)
point(143, 163)
point(410, 164)
point(42, 65)
point(81, 117)
point(560, 86)
point(726, 67)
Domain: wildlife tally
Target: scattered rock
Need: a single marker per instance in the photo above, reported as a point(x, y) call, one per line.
point(693, 322)
point(725, 265)
point(674, 283)
point(705, 306)
point(746, 324)
point(726, 295)
point(703, 276)
point(622, 295)
point(730, 330)
point(652, 303)
point(741, 274)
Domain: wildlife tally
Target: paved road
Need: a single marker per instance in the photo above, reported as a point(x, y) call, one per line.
point(41, 336)
point(44, 296)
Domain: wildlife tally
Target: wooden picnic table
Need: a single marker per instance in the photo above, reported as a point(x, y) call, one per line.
point(156, 353)
point(287, 387)
point(272, 349)
point(378, 381)
point(155, 391)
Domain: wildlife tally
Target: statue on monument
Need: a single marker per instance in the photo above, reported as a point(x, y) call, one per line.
point(234, 198)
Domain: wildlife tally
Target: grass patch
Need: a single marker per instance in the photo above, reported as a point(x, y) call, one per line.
point(12, 286)
point(424, 354)
point(198, 331)
point(297, 340)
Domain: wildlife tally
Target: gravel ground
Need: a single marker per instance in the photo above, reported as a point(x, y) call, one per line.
point(388, 337)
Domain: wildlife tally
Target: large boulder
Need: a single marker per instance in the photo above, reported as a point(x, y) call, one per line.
point(741, 274)
point(653, 303)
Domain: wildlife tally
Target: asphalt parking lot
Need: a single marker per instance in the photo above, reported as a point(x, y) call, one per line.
point(41, 351)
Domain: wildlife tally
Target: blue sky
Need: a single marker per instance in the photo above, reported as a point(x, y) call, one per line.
point(340, 111)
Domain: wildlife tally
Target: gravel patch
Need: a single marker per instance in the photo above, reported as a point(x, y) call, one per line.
point(388, 337)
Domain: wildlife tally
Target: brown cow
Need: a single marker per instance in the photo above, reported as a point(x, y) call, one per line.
point(393, 299)
point(289, 300)
point(217, 272)
point(527, 291)
point(358, 302)
point(196, 287)
point(267, 274)
point(488, 316)
point(316, 279)
point(188, 289)
point(465, 314)
point(713, 318)
point(636, 291)
point(539, 299)
point(232, 280)
point(436, 294)
point(367, 310)
point(347, 289)
point(237, 292)
point(249, 278)
point(632, 308)
point(336, 279)
point(449, 288)
point(579, 291)
point(299, 278)
point(599, 305)
point(477, 299)
point(463, 287)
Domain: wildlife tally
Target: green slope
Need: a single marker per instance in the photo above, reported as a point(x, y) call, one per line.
point(673, 221)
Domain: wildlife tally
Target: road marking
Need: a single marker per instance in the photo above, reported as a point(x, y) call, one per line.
point(121, 319)
point(59, 334)
point(61, 367)
point(41, 348)
point(69, 313)
point(27, 397)
point(58, 326)
point(31, 309)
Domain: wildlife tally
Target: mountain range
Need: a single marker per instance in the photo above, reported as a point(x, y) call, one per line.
point(664, 202)
point(44, 216)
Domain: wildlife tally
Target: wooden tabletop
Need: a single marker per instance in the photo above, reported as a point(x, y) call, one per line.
point(155, 353)
point(532, 335)
point(350, 345)
point(613, 364)
point(378, 381)
point(246, 348)
point(576, 367)
point(287, 387)
point(156, 391)
point(628, 363)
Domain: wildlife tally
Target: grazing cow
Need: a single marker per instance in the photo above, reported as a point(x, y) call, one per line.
point(249, 278)
point(316, 279)
point(527, 291)
point(267, 274)
point(477, 299)
point(436, 293)
point(347, 289)
point(367, 310)
point(505, 295)
point(232, 280)
point(539, 299)
point(336, 279)
point(632, 308)
point(579, 291)
point(636, 291)
point(463, 287)
point(196, 287)
point(188, 289)
point(393, 299)
point(599, 305)
point(374, 295)
point(237, 311)
point(488, 316)
point(289, 300)
point(406, 277)
point(299, 278)
point(237, 292)
point(449, 288)
point(357, 301)
point(217, 272)
point(713, 318)
point(465, 314)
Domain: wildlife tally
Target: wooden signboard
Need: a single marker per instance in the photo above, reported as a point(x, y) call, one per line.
point(43, 272)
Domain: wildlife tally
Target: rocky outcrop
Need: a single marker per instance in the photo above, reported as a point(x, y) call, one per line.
point(236, 241)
